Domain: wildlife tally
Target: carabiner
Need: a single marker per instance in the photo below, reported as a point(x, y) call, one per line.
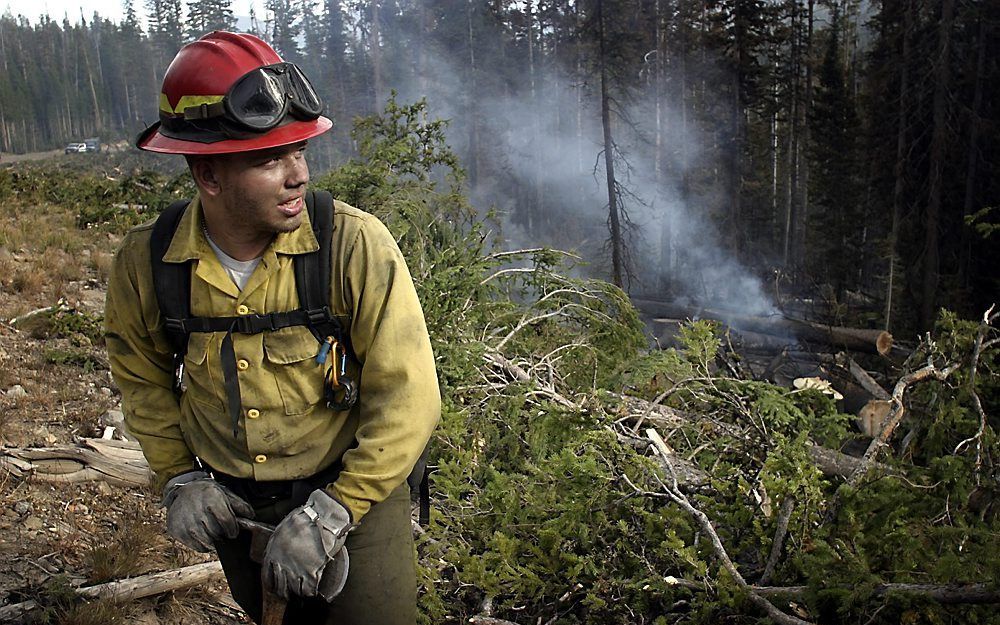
point(337, 380)
point(347, 400)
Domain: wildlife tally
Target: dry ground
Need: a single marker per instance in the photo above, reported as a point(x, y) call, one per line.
point(54, 389)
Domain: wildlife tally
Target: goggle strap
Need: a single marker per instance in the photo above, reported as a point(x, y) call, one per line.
point(205, 111)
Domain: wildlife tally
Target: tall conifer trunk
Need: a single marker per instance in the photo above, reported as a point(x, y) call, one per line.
point(666, 234)
point(932, 222)
point(972, 154)
point(614, 220)
point(802, 166)
point(899, 169)
point(376, 57)
point(473, 105)
point(792, 153)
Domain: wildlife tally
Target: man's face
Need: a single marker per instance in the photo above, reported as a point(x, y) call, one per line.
point(262, 192)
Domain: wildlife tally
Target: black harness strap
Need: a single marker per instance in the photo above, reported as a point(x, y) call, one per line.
point(312, 272)
point(172, 282)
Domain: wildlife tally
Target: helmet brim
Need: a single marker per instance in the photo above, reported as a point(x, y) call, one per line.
point(293, 132)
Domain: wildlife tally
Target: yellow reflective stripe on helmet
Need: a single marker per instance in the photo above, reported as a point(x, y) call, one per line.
point(187, 101)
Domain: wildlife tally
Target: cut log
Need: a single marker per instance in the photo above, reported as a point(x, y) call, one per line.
point(854, 339)
point(132, 588)
point(118, 462)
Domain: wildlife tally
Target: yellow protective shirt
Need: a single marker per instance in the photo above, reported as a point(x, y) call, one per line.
point(286, 430)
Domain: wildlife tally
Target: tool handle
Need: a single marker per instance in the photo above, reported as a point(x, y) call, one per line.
point(274, 608)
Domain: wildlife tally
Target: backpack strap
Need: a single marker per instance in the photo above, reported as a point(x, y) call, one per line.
point(313, 272)
point(172, 282)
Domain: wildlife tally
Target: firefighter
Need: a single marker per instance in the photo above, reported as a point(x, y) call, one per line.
point(309, 423)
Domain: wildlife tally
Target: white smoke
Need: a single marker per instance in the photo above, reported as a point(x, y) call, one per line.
point(545, 148)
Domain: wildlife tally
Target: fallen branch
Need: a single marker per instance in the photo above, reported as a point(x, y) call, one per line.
point(499, 360)
point(930, 372)
point(689, 475)
point(118, 462)
point(680, 499)
point(866, 380)
point(977, 349)
point(59, 306)
point(942, 593)
point(784, 516)
point(489, 620)
point(829, 461)
point(132, 588)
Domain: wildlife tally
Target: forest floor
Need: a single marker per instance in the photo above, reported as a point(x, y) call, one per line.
point(54, 390)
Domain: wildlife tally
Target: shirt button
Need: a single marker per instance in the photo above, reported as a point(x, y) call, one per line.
point(253, 413)
point(242, 365)
point(242, 310)
point(260, 459)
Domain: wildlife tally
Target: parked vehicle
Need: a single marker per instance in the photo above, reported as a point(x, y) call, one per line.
point(93, 144)
point(73, 148)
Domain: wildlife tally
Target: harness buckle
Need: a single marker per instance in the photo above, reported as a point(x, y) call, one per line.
point(244, 325)
point(175, 325)
point(317, 316)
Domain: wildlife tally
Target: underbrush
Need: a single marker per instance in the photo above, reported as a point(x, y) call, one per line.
point(554, 505)
point(108, 192)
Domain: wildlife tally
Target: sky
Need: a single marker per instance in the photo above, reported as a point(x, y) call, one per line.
point(111, 9)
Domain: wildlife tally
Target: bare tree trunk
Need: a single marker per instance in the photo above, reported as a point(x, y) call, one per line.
point(473, 99)
point(792, 156)
point(735, 226)
point(666, 234)
point(773, 144)
point(614, 222)
point(899, 169)
point(376, 46)
point(93, 91)
point(802, 163)
point(424, 26)
point(684, 154)
point(579, 101)
point(932, 222)
point(3, 49)
point(535, 210)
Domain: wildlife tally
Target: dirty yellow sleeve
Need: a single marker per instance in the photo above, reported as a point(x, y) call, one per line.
point(399, 404)
point(141, 363)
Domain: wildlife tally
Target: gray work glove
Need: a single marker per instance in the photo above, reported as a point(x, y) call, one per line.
point(201, 511)
point(306, 555)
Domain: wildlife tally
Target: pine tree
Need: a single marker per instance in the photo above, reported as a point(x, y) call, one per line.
point(207, 15)
point(836, 225)
point(166, 29)
point(286, 28)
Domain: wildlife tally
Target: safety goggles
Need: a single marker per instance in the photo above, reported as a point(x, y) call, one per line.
point(261, 99)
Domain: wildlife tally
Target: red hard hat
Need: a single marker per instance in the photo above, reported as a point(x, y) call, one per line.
point(202, 73)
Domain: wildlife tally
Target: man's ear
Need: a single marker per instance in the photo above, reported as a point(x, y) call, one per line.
point(206, 175)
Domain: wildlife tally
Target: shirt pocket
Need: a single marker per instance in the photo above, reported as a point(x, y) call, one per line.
point(291, 353)
point(199, 378)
